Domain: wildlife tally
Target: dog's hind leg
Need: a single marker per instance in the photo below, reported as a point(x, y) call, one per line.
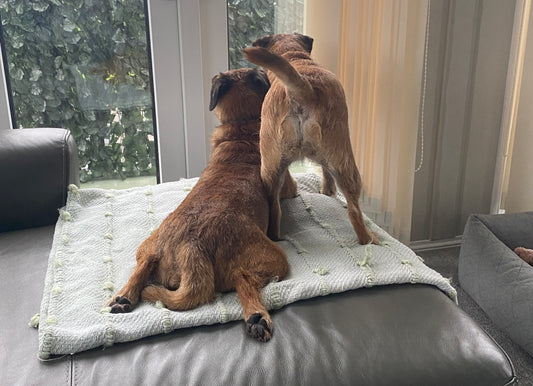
point(262, 262)
point(258, 322)
point(197, 284)
point(272, 176)
point(147, 260)
point(328, 182)
point(349, 181)
point(289, 188)
point(274, 169)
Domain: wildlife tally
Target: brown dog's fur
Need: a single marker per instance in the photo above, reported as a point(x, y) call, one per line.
point(304, 114)
point(216, 239)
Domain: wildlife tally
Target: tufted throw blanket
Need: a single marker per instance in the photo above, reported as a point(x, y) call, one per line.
point(98, 232)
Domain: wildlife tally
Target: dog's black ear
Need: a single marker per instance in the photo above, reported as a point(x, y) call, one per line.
point(262, 42)
point(258, 81)
point(220, 85)
point(307, 42)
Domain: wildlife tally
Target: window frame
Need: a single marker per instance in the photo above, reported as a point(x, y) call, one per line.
point(5, 113)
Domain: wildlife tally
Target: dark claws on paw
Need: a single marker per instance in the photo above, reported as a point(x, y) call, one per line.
point(120, 305)
point(257, 328)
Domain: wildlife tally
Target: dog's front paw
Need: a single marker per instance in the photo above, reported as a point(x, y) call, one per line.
point(120, 305)
point(259, 327)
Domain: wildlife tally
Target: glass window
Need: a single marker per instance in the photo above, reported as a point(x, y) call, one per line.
point(84, 65)
point(249, 20)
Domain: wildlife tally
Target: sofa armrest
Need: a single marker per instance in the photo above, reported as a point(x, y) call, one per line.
point(513, 229)
point(495, 277)
point(36, 167)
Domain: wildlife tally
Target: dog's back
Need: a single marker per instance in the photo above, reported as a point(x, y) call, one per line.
point(312, 91)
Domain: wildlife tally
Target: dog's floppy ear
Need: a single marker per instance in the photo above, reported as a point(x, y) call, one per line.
point(307, 42)
point(220, 85)
point(262, 42)
point(258, 81)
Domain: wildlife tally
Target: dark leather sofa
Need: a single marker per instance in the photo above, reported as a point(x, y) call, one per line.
point(390, 335)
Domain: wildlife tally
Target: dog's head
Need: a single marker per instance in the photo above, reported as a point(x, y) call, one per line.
point(280, 43)
point(238, 95)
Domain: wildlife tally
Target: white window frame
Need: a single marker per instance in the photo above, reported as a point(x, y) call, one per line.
point(5, 114)
point(189, 45)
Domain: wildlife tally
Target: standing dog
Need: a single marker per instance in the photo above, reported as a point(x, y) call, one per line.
point(216, 239)
point(304, 115)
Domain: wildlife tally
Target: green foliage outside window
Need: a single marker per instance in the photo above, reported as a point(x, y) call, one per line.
point(248, 20)
point(83, 65)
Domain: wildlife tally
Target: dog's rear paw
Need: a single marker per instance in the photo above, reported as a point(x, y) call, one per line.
point(370, 238)
point(258, 327)
point(120, 305)
point(329, 190)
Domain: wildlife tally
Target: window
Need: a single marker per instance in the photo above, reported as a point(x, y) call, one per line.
point(85, 66)
point(250, 20)
point(132, 91)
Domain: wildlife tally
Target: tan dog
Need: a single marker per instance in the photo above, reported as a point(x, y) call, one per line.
point(216, 239)
point(304, 115)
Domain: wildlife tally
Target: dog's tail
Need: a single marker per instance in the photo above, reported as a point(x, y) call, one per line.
point(181, 299)
point(197, 286)
point(298, 87)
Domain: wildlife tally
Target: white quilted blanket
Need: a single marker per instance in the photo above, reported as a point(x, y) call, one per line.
point(98, 231)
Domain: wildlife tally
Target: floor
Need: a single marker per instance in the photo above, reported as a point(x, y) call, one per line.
point(445, 261)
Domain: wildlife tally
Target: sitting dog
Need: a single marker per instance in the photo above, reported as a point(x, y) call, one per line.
point(216, 239)
point(304, 114)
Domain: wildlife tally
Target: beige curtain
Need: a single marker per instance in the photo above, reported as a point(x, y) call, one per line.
point(380, 64)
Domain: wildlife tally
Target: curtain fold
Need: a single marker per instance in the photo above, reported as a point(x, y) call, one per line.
point(380, 64)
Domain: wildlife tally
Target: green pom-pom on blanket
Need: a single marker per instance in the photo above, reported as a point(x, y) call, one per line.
point(321, 271)
point(368, 256)
point(34, 321)
point(109, 286)
point(73, 188)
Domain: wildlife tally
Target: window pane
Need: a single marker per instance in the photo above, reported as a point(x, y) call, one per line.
point(252, 19)
point(84, 65)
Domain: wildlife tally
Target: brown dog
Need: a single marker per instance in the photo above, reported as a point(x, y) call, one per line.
point(304, 115)
point(216, 239)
